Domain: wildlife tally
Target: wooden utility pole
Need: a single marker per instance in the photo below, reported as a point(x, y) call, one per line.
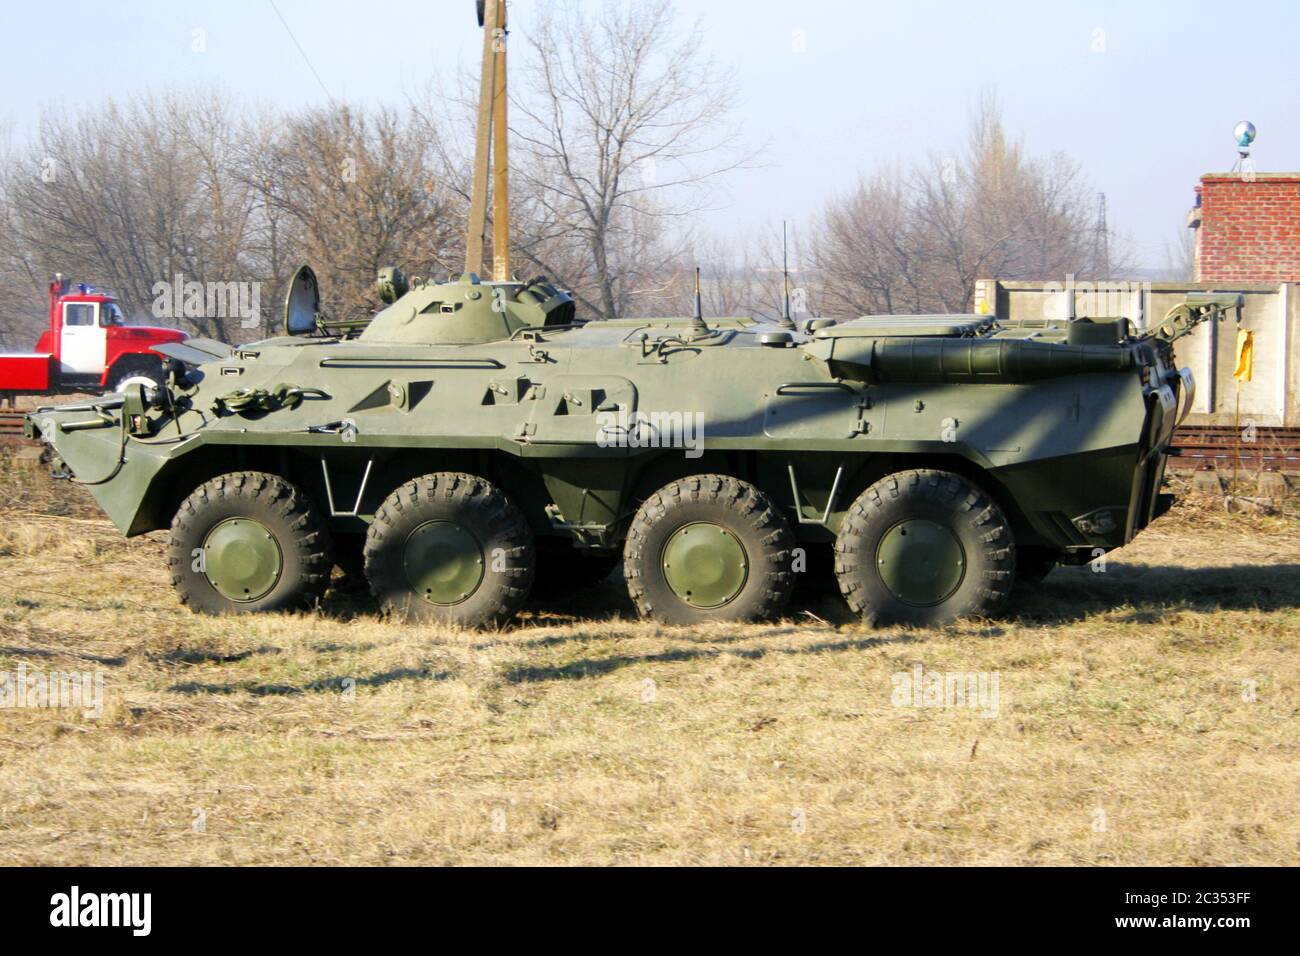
point(482, 143)
point(500, 155)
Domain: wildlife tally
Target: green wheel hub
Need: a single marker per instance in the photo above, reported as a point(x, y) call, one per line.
point(705, 564)
point(443, 562)
point(921, 561)
point(242, 560)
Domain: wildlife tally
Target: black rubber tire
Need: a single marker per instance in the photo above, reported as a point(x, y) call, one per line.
point(1033, 564)
point(942, 497)
point(476, 505)
point(304, 540)
point(736, 505)
point(151, 369)
point(562, 568)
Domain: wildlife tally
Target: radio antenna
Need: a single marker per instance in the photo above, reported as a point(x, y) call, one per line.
point(786, 321)
point(697, 320)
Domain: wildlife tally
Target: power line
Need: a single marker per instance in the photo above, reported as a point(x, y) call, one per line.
point(301, 51)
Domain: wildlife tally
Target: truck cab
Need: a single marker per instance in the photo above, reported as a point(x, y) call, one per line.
point(88, 347)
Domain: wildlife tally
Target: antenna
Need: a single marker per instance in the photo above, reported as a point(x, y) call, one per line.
point(786, 322)
point(697, 320)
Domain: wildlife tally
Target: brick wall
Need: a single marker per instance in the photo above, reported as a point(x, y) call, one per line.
point(1249, 231)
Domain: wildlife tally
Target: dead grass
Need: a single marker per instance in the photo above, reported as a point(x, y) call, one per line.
point(1124, 733)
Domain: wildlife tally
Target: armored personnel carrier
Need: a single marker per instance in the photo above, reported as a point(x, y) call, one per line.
point(476, 432)
point(475, 429)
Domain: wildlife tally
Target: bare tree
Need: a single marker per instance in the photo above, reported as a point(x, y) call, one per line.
point(739, 276)
point(1180, 257)
point(868, 250)
point(619, 129)
point(362, 192)
point(130, 195)
point(21, 283)
point(918, 240)
point(200, 186)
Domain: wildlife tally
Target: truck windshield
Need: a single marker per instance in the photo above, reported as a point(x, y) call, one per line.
point(110, 314)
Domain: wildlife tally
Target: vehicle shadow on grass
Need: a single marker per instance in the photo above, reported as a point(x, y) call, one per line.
point(336, 684)
point(1156, 591)
point(1067, 595)
point(598, 667)
point(585, 633)
point(205, 655)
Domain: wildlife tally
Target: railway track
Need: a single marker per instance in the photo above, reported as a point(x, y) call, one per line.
point(1225, 446)
point(11, 423)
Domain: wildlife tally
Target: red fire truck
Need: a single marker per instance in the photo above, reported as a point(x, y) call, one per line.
point(88, 347)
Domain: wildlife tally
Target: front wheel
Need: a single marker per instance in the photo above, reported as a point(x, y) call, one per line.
point(450, 547)
point(708, 548)
point(138, 371)
point(249, 541)
point(924, 548)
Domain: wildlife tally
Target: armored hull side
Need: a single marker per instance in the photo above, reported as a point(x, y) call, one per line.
point(590, 418)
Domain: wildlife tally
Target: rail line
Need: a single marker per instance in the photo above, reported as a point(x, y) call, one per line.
point(1223, 446)
point(11, 423)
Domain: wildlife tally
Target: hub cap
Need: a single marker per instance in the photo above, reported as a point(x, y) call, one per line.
point(705, 564)
point(920, 561)
point(443, 561)
point(242, 559)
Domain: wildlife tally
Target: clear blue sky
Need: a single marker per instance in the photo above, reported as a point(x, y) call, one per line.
point(875, 83)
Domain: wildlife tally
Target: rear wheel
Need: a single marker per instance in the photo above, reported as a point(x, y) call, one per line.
point(450, 547)
point(708, 548)
point(924, 548)
point(248, 541)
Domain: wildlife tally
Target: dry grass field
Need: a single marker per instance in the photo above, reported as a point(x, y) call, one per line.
point(1146, 714)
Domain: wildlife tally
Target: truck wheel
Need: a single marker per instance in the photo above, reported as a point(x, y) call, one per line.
point(450, 547)
point(924, 548)
point(248, 541)
point(133, 371)
point(708, 548)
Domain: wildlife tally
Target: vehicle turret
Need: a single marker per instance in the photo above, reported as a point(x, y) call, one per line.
point(469, 311)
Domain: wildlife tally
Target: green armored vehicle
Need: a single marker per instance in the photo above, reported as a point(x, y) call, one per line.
point(476, 436)
point(475, 430)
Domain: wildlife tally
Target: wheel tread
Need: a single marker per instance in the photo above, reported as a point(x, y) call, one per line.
point(279, 496)
point(736, 495)
point(446, 487)
point(981, 512)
